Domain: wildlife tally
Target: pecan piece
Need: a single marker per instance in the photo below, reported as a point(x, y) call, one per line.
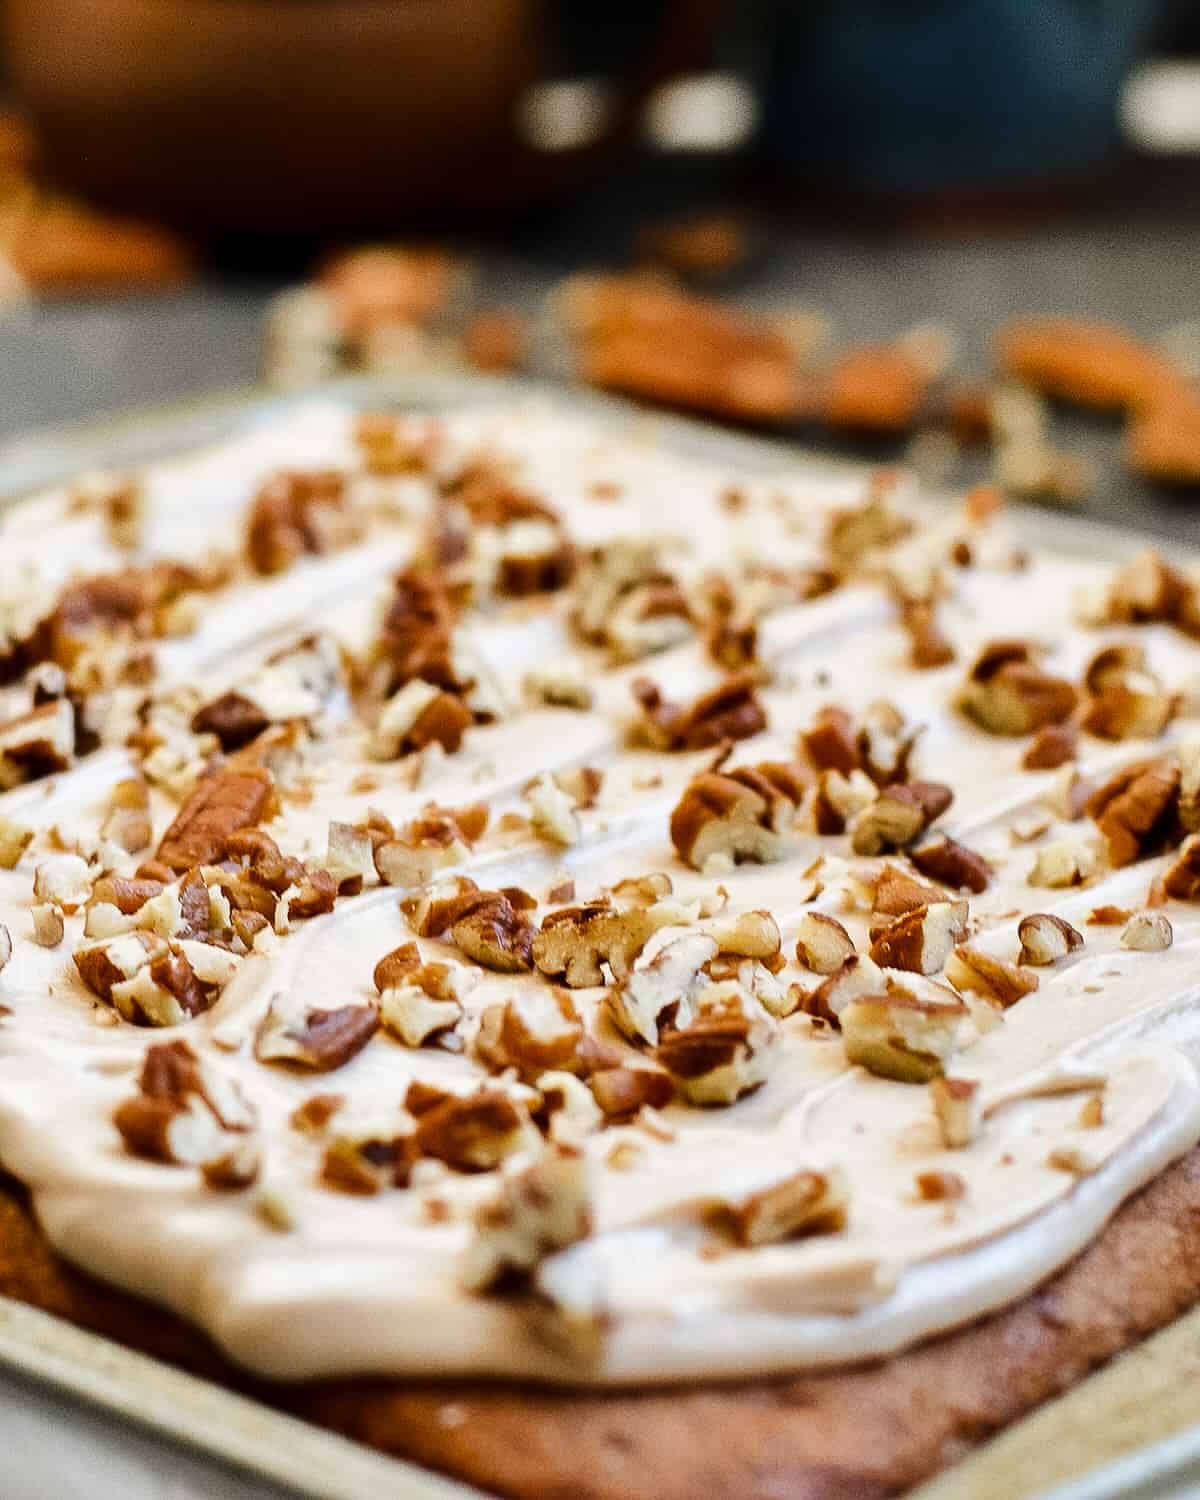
point(221, 804)
point(921, 940)
point(928, 645)
point(37, 743)
point(952, 864)
point(897, 891)
point(998, 982)
point(672, 978)
point(475, 1132)
point(534, 1032)
point(898, 815)
point(538, 1210)
point(730, 711)
point(727, 818)
point(900, 1037)
point(1046, 938)
point(623, 1091)
point(295, 512)
point(314, 1038)
point(958, 1108)
point(575, 941)
point(1135, 807)
point(1127, 700)
point(807, 1202)
point(1148, 932)
point(1182, 880)
point(367, 1159)
point(417, 715)
point(1007, 693)
point(1052, 746)
point(723, 1049)
point(822, 943)
point(233, 718)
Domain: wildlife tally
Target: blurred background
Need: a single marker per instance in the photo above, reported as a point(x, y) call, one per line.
point(959, 234)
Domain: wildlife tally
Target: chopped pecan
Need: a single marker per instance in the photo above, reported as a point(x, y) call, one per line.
point(576, 940)
point(416, 716)
point(368, 1158)
point(494, 933)
point(314, 1038)
point(899, 1036)
point(1063, 863)
point(880, 744)
point(831, 742)
point(1127, 700)
point(952, 864)
point(672, 978)
point(1006, 692)
point(14, 840)
point(37, 743)
point(722, 1050)
point(422, 1004)
point(958, 1108)
point(222, 804)
point(726, 818)
point(1045, 938)
point(1148, 932)
point(999, 982)
point(48, 926)
point(552, 811)
point(185, 1111)
point(855, 531)
point(1052, 746)
point(295, 512)
point(1182, 880)
point(1145, 590)
point(1135, 808)
point(857, 976)
point(535, 1031)
point(558, 687)
point(127, 821)
point(315, 1113)
point(473, 1132)
point(63, 880)
point(233, 718)
point(538, 1210)
point(416, 639)
point(898, 815)
point(928, 645)
point(625, 600)
point(822, 943)
point(898, 891)
point(623, 1090)
point(921, 940)
point(730, 711)
point(839, 800)
point(807, 1202)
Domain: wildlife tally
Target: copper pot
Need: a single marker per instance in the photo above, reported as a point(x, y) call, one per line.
point(325, 116)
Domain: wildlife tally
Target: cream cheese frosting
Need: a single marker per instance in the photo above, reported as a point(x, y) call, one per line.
point(295, 1279)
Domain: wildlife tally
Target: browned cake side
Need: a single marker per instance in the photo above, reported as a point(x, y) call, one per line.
point(858, 1433)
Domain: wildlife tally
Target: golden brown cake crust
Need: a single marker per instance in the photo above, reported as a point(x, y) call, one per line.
point(858, 1433)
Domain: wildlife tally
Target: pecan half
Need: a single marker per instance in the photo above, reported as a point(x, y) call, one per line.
point(221, 804)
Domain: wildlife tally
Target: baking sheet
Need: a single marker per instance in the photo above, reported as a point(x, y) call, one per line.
point(1104, 1417)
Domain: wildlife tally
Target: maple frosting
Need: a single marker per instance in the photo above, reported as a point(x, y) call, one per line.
point(671, 1258)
